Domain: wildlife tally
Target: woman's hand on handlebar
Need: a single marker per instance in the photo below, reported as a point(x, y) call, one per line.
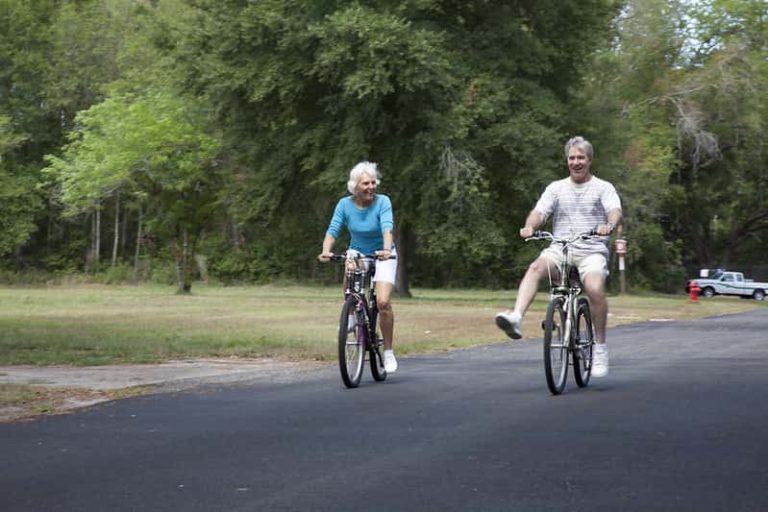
point(325, 256)
point(383, 255)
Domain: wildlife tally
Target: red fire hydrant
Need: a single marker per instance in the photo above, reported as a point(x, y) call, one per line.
point(693, 291)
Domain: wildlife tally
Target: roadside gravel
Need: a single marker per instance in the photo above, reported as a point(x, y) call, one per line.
point(64, 388)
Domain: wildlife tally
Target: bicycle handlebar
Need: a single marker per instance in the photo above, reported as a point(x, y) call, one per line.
point(370, 257)
point(546, 235)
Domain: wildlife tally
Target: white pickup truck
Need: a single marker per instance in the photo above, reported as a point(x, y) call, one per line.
point(721, 282)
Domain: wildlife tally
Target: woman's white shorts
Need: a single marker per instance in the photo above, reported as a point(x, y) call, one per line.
point(386, 270)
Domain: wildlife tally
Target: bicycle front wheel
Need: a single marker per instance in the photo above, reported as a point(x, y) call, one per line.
point(555, 347)
point(351, 344)
point(583, 344)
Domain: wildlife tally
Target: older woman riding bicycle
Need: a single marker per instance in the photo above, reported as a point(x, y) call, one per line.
point(369, 219)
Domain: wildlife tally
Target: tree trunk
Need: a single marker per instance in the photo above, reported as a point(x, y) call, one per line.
point(182, 264)
point(97, 236)
point(124, 230)
point(89, 250)
point(49, 233)
point(139, 236)
point(92, 253)
point(405, 246)
point(116, 242)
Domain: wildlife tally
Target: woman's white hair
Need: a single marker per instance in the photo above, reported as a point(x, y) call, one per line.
point(357, 171)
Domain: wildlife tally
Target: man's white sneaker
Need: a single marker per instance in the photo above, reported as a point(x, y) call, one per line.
point(390, 363)
point(600, 360)
point(509, 322)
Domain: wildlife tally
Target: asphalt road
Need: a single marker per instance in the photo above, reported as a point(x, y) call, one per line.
point(679, 424)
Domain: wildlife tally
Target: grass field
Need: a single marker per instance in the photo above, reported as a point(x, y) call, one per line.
point(96, 325)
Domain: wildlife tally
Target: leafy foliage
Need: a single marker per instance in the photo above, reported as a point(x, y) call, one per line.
point(229, 126)
point(306, 89)
point(148, 147)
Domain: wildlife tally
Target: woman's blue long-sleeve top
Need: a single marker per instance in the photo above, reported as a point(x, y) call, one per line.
point(366, 225)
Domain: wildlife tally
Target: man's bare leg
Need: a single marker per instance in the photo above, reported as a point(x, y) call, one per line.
point(509, 321)
point(594, 287)
point(529, 286)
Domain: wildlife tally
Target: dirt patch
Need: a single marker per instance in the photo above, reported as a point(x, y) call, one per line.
point(56, 389)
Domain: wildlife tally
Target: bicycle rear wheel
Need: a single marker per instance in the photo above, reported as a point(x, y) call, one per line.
point(555, 348)
point(376, 354)
point(583, 344)
point(376, 351)
point(351, 344)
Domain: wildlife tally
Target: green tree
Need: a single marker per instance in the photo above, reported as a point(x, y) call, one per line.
point(18, 202)
point(679, 104)
point(55, 58)
point(308, 88)
point(27, 128)
point(725, 162)
point(634, 139)
point(153, 148)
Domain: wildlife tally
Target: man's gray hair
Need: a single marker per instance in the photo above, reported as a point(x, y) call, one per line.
point(581, 143)
point(357, 171)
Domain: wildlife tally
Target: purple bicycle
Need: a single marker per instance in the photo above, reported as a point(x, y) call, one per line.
point(358, 331)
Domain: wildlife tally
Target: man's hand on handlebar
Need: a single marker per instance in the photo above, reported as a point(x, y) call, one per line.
point(526, 232)
point(604, 229)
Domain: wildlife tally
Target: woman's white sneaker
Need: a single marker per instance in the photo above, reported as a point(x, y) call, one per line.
point(390, 363)
point(600, 360)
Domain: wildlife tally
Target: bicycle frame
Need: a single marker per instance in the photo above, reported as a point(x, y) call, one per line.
point(357, 280)
point(563, 343)
point(567, 288)
point(360, 307)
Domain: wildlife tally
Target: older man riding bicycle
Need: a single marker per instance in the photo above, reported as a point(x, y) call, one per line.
point(578, 203)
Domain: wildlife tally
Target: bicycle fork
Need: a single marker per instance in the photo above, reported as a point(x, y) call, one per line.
point(575, 343)
point(570, 337)
point(365, 333)
point(361, 325)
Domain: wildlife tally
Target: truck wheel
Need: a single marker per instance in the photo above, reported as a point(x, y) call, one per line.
point(758, 295)
point(708, 292)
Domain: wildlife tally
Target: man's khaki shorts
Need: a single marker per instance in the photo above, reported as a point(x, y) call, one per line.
point(594, 263)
